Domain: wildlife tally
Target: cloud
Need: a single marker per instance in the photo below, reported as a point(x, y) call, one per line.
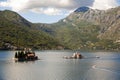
point(48, 11)
point(55, 7)
point(49, 7)
point(104, 4)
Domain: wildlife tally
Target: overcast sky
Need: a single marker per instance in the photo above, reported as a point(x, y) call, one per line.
point(49, 11)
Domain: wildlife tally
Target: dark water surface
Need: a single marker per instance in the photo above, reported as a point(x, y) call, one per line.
point(52, 66)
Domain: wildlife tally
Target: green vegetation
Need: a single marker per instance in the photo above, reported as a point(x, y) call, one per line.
point(89, 30)
point(14, 34)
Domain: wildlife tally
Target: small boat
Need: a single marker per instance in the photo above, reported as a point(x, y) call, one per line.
point(25, 56)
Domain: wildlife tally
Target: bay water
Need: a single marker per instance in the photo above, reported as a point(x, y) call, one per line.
point(52, 66)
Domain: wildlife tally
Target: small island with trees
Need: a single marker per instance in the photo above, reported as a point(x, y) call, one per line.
point(25, 55)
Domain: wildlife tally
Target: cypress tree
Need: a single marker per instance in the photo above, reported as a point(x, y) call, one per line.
point(16, 55)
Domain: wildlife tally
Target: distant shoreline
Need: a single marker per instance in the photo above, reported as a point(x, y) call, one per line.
point(66, 50)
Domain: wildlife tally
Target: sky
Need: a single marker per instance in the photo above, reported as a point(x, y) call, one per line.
point(50, 11)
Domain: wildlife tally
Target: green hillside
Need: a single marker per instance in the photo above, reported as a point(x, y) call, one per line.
point(16, 32)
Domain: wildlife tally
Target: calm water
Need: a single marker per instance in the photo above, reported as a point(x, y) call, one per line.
point(53, 67)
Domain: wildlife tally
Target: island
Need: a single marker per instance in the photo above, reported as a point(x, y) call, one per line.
point(25, 55)
point(74, 56)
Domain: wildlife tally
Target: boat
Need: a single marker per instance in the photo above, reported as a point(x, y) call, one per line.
point(25, 55)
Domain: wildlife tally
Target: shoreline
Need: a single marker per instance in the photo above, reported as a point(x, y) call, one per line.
point(67, 50)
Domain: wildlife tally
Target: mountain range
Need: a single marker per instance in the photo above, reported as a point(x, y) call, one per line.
point(84, 29)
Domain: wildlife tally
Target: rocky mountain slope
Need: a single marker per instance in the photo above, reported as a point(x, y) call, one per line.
point(108, 20)
point(87, 28)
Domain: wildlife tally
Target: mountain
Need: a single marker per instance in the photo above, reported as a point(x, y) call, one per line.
point(82, 9)
point(107, 20)
point(17, 33)
point(84, 29)
point(89, 29)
